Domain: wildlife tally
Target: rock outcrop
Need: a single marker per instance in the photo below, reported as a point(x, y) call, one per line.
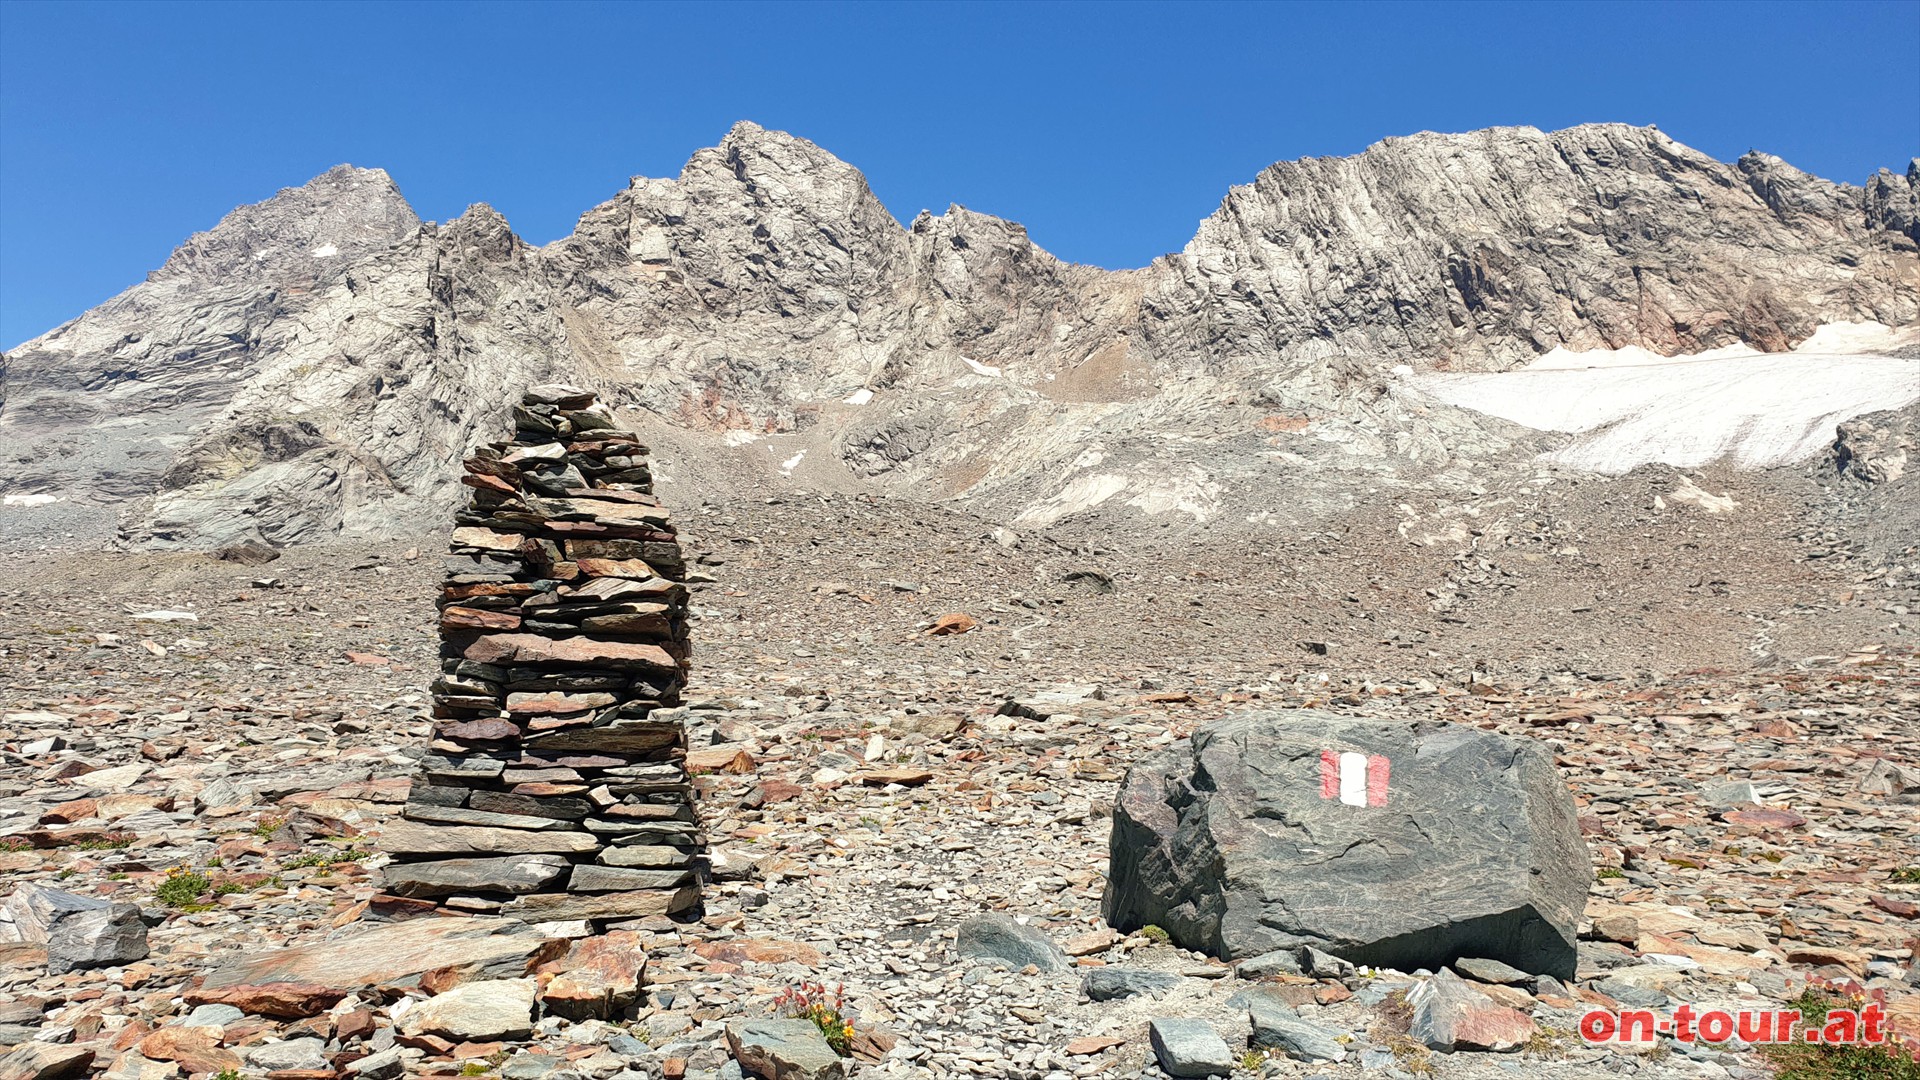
point(1878, 448)
point(1406, 846)
point(315, 364)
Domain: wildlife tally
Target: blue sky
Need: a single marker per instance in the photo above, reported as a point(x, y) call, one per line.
point(1110, 131)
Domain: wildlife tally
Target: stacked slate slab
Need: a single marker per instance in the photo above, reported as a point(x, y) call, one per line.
point(555, 786)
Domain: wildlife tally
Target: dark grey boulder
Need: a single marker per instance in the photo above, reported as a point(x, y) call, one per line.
point(993, 936)
point(1229, 842)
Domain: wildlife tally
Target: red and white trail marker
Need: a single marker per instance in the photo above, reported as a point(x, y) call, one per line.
point(1354, 779)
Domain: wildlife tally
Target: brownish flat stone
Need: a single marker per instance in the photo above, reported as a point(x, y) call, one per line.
point(726, 759)
point(599, 978)
point(494, 730)
point(555, 703)
point(572, 652)
point(903, 777)
point(286, 1000)
point(638, 737)
point(636, 569)
point(459, 619)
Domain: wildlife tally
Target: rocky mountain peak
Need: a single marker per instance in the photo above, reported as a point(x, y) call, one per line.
point(1893, 202)
point(316, 362)
point(1484, 249)
point(300, 233)
point(484, 229)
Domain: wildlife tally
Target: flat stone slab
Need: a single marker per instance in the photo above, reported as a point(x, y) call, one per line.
point(783, 1049)
point(533, 649)
point(554, 907)
point(448, 877)
point(420, 838)
point(588, 878)
point(600, 977)
point(396, 955)
point(1189, 1048)
point(646, 857)
point(475, 1012)
point(44, 1061)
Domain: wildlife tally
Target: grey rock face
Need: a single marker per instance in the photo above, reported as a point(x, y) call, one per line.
point(29, 914)
point(1108, 983)
point(385, 1065)
point(1230, 842)
point(1893, 202)
point(783, 1050)
point(315, 363)
point(1450, 1015)
point(1189, 1048)
point(291, 1054)
point(78, 931)
point(1277, 1027)
point(100, 937)
point(1491, 971)
point(210, 1016)
point(1477, 243)
point(1878, 448)
point(448, 877)
point(478, 1011)
point(993, 936)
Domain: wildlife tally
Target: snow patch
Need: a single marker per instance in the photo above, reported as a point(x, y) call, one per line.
point(1083, 493)
point(325, 251)
point(1686, 491)
point(859, 397)
point(981, 369)
point(31, 500)
point(738, 438)
point(792, 463)
point(1631, 407)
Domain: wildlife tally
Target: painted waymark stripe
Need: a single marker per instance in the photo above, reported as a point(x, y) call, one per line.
point(1354, 779)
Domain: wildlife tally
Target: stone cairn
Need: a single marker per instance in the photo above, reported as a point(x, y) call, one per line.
point(555, 785)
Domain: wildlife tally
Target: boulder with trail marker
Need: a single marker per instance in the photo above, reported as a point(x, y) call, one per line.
point(1389, 844)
